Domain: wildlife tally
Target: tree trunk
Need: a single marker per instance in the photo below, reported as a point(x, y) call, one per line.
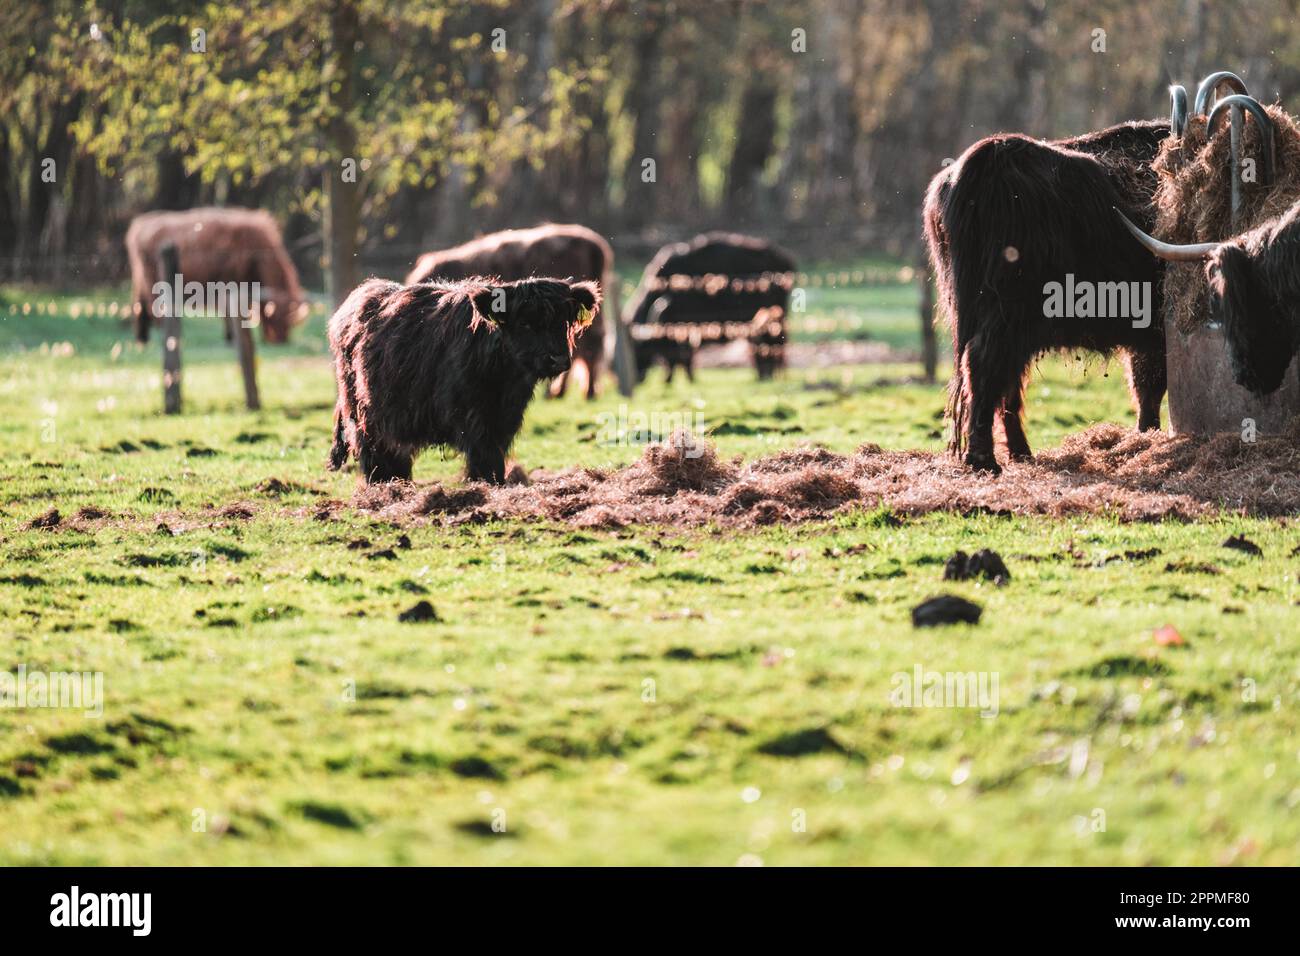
point(1032, 74)
point(342, 199)
point(929, 346)
point(755, 140)
point(176, 188)
point(57, 146)
point(587, 197)
point(526, 181)
point(8, 217)
point(831, 189)
point(451, 199)
point(643, 100)
point(678, 144)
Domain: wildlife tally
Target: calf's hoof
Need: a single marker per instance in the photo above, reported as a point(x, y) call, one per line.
point(983, 463)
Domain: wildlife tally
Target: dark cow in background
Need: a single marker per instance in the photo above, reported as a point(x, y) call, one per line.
point(450, 364)
point(221, 245)
point(1255, 294)
point(560, 251)
point(1013, 214)
point(715, 288)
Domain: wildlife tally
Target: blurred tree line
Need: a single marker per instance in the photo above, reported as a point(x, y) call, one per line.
point(816, 123)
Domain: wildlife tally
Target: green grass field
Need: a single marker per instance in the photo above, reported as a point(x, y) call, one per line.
point(646, 696)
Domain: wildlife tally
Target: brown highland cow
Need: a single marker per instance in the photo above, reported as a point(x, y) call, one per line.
point(217, 245)
point(451, 364)
point(570, 251)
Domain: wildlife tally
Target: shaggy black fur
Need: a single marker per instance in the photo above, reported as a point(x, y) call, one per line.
point(450, 364)
point(1255, 292)
point(1013, 214)
point(549, 250)
point(720, 254)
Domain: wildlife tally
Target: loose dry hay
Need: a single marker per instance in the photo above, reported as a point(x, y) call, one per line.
point(1194, 200)
point(1106, 469)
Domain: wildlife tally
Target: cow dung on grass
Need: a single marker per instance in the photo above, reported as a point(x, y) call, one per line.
point(945, 609)
point(982, 564)
point(419, 613)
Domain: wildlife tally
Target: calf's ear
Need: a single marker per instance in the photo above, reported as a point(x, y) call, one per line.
point(490, 304)
point(587, 295)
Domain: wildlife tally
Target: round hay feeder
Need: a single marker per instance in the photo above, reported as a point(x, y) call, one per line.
point(1213, 187)
point(1203, 398)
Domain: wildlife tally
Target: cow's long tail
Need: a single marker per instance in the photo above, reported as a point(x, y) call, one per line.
point(339, 452)
point(958, 407)
point(939, 251)
point(345, 331)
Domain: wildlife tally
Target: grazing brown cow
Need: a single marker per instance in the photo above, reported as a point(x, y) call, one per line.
point(447, 363)
point(219, 245)
point(559, 251)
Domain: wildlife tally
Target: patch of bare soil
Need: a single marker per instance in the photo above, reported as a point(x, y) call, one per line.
point(1106, 469)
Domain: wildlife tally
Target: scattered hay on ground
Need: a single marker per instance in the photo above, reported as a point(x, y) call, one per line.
point(1104, 470)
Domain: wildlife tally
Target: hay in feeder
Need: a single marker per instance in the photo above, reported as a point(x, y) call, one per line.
point(1194, 200)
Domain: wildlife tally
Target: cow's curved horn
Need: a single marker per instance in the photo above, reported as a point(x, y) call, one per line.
point(1178, 109)
point(1193, 252)
point(1251, 106)
point(1210, 85)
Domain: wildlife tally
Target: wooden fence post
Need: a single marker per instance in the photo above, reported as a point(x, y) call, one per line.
point(624, 349)
point(243, 337)
point(929, 347)
point(169, 269)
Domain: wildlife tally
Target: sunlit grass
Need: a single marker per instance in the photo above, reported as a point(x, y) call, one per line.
point(643, 696)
